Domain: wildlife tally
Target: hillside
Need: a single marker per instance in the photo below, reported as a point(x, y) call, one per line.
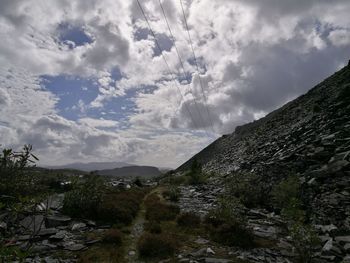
point(132, 171)
point(309, 136)
point(92, 166)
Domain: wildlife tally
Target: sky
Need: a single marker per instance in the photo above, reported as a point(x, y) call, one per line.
point(84, 80)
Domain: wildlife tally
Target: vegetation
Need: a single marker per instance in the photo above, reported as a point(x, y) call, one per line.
point(113, 236)
point(156, 246)
point(286, 197)
point(85, 199)
point(247, 188)
point(188, 219)
point(172, 193)
point(16, 178)
point(156, 210)
point(196, 175)
point(227, 224)
point(153, 227)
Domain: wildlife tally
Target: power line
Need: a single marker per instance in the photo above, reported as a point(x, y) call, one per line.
point(166, 63)
point(196, 63)
point(180, 59)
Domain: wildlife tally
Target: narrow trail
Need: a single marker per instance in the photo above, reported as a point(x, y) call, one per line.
point(137, 230)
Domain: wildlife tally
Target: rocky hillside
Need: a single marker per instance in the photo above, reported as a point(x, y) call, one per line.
point(309, 136)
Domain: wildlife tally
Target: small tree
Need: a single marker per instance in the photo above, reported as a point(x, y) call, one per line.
point(286, 196)
point(195, 174)
point(15, 177)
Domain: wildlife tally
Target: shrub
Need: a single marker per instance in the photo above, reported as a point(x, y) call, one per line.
point(196, 175)
point(120, 207)
point(188, 219)
point(156, 210)
point(162, 212)
point(285, 191)
point(247, 188)
point(16, 177)
point(304, 240)
point(227, 224)
point(153, 227)
point(156, 246)
point(113, 236)
point(173, 194)
point(85, 199)
point(233, 234)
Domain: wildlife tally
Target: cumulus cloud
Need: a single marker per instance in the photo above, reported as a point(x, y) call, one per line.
point(253, 56)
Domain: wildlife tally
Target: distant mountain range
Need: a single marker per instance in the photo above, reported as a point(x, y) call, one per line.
point(92, 166)
point(132, 171)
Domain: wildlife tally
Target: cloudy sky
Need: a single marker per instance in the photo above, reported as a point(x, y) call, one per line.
point(84, 80)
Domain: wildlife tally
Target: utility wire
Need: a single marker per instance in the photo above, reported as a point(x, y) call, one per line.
point(180, 59)
point(197, 67)
point(166, 63)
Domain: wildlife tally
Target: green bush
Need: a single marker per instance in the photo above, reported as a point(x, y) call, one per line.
point(153, 227)
point(233, 234)
point(156, 210)
point(173, 194)
point(120, 207)
point(227, 223)
point(162, 212)
point(188, 219)
point(304, 240)
point(156, 246)
point(85, 199)
point(16, 177)
point(113, 236)
point(196, 175)
point(285, 191)
point(247, 188)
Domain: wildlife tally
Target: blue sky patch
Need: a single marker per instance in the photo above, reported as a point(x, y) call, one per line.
point(75, 95)
point(68, 33)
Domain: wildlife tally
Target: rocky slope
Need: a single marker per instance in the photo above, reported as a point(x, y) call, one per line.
point(310, 136)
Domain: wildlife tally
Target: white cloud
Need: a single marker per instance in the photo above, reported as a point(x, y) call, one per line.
point(340, 37)
point(253, 57)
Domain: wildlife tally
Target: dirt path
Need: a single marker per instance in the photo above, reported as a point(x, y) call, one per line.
point(137, 230)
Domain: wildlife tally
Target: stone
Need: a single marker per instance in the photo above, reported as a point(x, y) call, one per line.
point(330, 249)
point(210, 251)
point(3, 226)
point(58, 236)
point(347, 247)
point(90, 223)
point(216, 260)
point(47, 232)
point(132, 253)
point(57, 220)
point(201, 241)
point(33, 223)
point(344, 239)
point(326, 228)
point(74, 247)
point(78, 226)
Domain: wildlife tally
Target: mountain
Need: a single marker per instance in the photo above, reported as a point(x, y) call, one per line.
point(308, 137)
point(132, 171)
point(92, 166)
